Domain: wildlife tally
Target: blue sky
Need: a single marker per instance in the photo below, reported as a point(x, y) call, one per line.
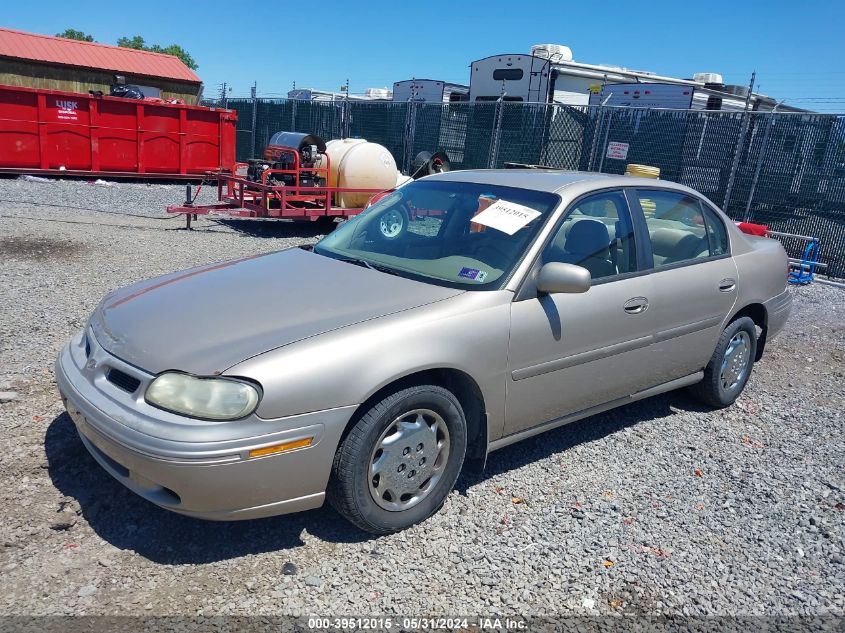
point(797, 48)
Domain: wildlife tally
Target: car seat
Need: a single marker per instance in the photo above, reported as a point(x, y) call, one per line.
point(587, 244)
point(676, 245)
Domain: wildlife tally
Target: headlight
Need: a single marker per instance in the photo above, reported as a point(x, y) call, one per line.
point(208, 398)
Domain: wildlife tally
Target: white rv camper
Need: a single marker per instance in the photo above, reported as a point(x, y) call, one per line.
point(509, 77)
point(429, 90)
point(709, 94)
point(312, 94)
point(549, 75)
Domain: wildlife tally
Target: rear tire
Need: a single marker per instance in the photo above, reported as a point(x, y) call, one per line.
point(730, 366)
point(399, 462)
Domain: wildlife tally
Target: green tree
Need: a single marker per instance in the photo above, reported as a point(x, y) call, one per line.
point(73, 34)
point(137, 42)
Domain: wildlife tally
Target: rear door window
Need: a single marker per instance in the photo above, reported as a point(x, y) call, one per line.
point(677, 227)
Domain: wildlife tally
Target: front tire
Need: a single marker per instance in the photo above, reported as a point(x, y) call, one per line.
point(399, 462)
point(730, 366)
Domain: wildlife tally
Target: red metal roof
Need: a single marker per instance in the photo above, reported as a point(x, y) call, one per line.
point(58, 50)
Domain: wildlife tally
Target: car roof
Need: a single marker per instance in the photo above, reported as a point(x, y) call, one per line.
point(552, 180)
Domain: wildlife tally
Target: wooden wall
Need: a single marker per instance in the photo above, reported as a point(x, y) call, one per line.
point(15, 72)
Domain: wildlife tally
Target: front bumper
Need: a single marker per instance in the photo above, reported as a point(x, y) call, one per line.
point(201, 469)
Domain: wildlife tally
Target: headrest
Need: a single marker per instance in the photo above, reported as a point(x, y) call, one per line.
point(588, 237)
point(666, 242)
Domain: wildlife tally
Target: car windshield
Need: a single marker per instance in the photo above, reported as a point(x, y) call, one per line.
point(456, 234)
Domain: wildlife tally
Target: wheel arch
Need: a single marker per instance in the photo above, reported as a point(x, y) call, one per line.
point(756, 312)
point(465, 389)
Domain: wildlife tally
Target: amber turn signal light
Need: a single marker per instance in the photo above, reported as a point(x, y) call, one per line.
point(281, 448)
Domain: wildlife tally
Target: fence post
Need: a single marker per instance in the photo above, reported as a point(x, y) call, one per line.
point(596, 131)
point(497, 133)
point(743, 132)
point(763, 145)
point(603, 148)
point(253, 93)
point(410, 133)
point(345, 122)
point(738, 147)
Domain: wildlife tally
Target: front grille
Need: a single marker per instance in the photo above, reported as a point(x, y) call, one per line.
point(122, 380)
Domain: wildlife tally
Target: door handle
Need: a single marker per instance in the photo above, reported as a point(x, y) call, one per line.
point(727, 285)
point(636, 305)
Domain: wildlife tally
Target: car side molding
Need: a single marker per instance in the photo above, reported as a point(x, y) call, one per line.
point(581, 358)
point(685, 381)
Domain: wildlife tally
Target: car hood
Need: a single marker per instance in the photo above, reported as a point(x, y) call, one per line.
point(206, 319)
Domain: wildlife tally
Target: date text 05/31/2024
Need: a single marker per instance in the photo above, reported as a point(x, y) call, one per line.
point(375, 623)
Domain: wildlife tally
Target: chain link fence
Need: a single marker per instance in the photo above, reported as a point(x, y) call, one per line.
point(785, 170)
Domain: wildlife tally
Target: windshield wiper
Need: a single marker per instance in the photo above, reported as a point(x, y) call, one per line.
point(384, 269)
point(357, 261)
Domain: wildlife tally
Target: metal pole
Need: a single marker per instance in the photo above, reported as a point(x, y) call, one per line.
point(760, 156)
point(497, 130)
point(410, 125)
point(738, 147)
point(293, 109)
point(597, 130)
point(827, 282)
point(701, 140)
point(346, 126)
point(604, 145)
point(253, 92)
point(407, 135)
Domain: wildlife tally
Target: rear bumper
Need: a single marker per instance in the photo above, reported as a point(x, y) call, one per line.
point(208, 480)
point(778, 310)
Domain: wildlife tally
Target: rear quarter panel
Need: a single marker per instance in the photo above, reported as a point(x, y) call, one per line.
point(761, 265)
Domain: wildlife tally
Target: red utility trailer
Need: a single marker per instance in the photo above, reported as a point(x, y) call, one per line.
point(290, 181)
point(67, 133)
point(242, 198)
point(293, 180)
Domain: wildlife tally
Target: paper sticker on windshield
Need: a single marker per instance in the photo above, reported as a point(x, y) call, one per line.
point(473, 273)
point(505, 216)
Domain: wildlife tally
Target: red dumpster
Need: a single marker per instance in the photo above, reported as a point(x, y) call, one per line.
point(76, 134)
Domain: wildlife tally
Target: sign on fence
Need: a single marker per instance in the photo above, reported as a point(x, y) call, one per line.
point(619, 151)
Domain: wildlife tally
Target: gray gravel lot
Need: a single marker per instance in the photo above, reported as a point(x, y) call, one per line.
point(662, 507)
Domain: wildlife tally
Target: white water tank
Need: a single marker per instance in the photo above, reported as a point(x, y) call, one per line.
point(552, 52)
point(708, 78)
point(358, 164)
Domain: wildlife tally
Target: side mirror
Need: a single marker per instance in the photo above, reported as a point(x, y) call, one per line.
point(557, 277)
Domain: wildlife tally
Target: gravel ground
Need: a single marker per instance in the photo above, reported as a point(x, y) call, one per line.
point(662, 507)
